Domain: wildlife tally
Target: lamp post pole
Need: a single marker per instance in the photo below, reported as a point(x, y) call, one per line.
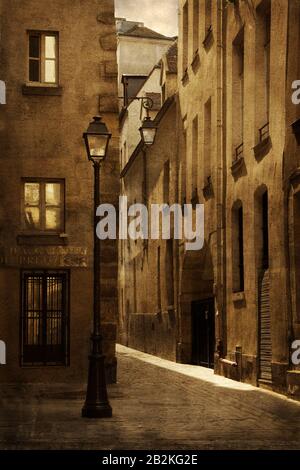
point(96, 141)
point(96, 403)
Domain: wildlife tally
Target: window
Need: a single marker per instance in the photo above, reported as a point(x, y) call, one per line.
point(208, 16)
point(298, 38)
point(169, 267)
point(261, 228)
point(237, 248)
point(134, 287)
point(183, 167)
point(185, 38)
point(238, 95)
point(295, 255)
point(43, 58)
point(125, 157)
point(45, 318)
point(196, 26)
point(43, 205)
point(263, 39)
point(207, 141)
point(166, 183)
point(267, 42)
point(265, 230)
point(158, 280)
point(163, 93)
point(195, 148)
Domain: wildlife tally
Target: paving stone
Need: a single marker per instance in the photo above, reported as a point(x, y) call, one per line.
point(157, 404)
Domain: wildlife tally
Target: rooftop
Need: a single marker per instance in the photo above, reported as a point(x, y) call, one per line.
point(136, 29)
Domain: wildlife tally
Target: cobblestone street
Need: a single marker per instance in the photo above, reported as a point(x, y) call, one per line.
point(157, 405)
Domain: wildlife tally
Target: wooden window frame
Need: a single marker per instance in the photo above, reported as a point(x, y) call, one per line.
point(42, 58)
point(42, 206)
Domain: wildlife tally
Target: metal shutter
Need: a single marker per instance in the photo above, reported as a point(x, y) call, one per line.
point(265, 345)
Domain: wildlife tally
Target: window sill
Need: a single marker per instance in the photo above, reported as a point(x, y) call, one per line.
point(227, 362)
point(42, 90)
point(237, 165)
point(185, 78)
point(262, 148)
point(208, 40)
point(196, 62)
point(238, 297)
point(42, 239)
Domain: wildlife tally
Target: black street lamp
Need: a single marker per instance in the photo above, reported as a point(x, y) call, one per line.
point(148, 131)
point(96, 403)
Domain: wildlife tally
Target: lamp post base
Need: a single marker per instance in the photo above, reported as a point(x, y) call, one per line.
point(98, 411)
point(96, 403)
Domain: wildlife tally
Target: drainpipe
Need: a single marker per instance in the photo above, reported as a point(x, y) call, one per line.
point(221, 179)
point(176, 271)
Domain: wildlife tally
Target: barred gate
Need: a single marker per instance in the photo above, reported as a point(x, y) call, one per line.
point(45, 318)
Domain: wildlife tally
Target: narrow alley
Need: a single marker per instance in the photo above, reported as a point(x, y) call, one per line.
point(156, 404)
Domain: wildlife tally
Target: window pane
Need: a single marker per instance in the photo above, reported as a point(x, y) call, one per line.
point(32, 217)
point(53, 194)
point(50, 52)
point(34, 70)
point(34, 329)
point(52, 219)
point(34, 294)
point(34, 46)
point(50, 73)
point(33, 332)
point(54, 310)
point(32, 194)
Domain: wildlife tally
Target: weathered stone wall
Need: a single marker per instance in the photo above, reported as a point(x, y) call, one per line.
point(261, 168)
point(291, 185)
point(148, 320)
point(137, 55)
point(200, 177)
point(41, 136)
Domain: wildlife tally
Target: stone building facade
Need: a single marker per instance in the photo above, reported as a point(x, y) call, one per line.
point(200, 177)
point(139, 49)
point(148, 176)
point(290, 168)
point(249, 298)
point(132, 115)
point(255, 345)
point(58, 60)
point(237, 135)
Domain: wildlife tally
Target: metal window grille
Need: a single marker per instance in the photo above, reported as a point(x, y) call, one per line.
point(239, 152)
point(264, 132)
point(45, 318)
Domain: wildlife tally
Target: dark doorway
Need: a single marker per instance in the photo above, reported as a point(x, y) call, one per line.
point(203, 333)
point(45, 323)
